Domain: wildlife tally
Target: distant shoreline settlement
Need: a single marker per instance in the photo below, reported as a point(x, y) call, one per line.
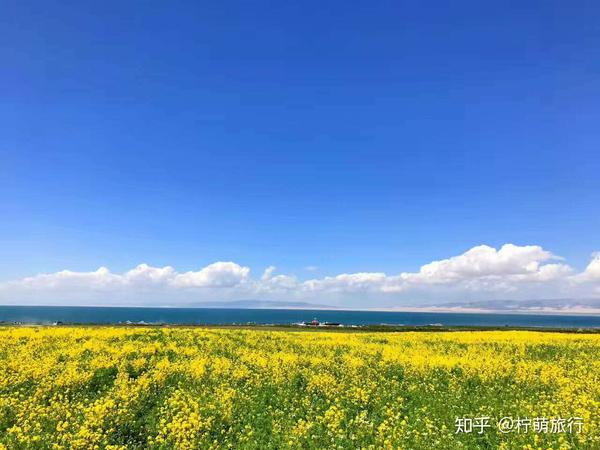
point(316, 323)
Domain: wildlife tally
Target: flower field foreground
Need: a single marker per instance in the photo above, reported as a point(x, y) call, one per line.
point(185, 388)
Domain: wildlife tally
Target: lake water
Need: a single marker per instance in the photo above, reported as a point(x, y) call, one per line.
point(214, 316)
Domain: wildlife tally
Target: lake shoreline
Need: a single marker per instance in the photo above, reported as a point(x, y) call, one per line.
point(310, 329)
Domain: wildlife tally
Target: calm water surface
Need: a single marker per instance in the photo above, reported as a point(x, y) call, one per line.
point(214, 316)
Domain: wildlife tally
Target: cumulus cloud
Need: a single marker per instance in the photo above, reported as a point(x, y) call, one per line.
point(268, 273)
point(591, 274)
point(148, 274)
point(528, 271)
point(219, 274)
point(481, 262)
point(362, 281)
point(481, 267)
point(101, 278)
point(270, 283)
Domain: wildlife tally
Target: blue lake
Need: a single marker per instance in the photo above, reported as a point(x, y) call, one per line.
point(214, 316)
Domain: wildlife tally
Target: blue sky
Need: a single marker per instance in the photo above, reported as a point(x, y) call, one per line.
point(372, 137)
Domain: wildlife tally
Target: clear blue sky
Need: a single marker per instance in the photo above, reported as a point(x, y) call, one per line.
point(362, 136)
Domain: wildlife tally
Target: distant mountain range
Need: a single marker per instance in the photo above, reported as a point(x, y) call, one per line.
point(538, 305)
point(562, 305)
point(259, 304)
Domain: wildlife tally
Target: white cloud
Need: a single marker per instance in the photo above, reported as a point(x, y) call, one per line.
point(216, 275)
point(482, 272)
point(268, 273)
point(148, 274)
point(511, 262)
point(276, 283)
point(480, 268)
point(101, 278)
point(219, 274)
point(591, 273)
point(281, 283)
point(362, 281)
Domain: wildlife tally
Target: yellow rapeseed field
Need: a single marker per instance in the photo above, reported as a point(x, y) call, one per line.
point(186, 388)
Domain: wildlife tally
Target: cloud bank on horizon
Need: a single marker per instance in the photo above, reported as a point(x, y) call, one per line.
point(480, 276)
